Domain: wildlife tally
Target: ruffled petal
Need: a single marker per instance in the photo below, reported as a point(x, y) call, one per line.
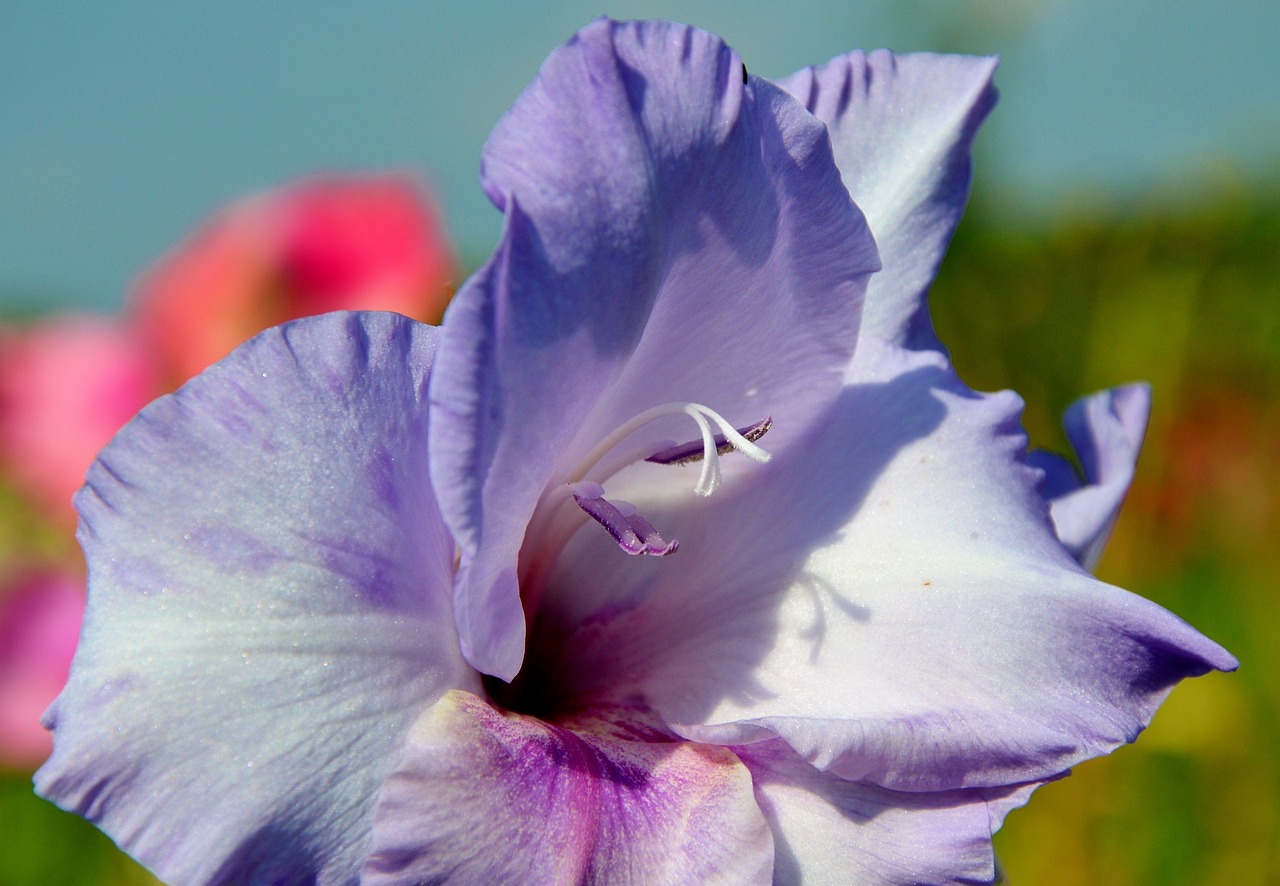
point(672, 234)
point(901, 127)
point(829, 830)
point(268, 608)
point(1106, 430)
point(889, 598)
point(482, 797)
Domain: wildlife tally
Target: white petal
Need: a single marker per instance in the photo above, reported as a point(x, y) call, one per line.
point(829, 830)
point(889, 597)
point(901, 128)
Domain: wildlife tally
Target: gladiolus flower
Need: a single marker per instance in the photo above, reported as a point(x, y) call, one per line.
point(677, 554)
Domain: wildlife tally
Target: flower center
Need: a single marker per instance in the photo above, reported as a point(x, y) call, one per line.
point(633, 533)
point(553, 524)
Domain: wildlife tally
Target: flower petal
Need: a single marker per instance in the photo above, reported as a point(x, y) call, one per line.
point(671, 235)
point(829, 830)
point(268, 608)
point(890, 599)
point(901, 127)
point(485, 798)
point(1106, 430)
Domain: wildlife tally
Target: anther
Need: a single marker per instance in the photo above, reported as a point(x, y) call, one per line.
point(710, 448)
point(633, 533)
point(687, 453)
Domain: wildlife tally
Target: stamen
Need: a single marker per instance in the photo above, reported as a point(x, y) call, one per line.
point(633, 533)
point(708, 453)
point(686, 453)
point(741, 441)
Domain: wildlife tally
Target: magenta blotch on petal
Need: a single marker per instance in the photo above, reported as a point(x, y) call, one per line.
point(485, 797)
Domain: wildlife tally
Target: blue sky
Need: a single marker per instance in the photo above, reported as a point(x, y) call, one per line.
point(122, 125)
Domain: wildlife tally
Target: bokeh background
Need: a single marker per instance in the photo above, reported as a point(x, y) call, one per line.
point(1125, 225)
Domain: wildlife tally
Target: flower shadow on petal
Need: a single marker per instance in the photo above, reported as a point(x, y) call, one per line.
point(819, 589)
point(257, 858)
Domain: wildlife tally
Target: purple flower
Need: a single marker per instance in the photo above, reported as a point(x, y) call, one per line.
point(371, 599)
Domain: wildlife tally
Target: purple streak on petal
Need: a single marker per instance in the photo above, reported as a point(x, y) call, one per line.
point(912, 620)
point(901, 127)
point(671, 235)
point(269, 608)
point(1106, 430)
point(827, 829)
point(482, 797)
point(694, 450)
point(633, 533)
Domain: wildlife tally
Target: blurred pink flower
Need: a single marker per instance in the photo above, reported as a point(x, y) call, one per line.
point(66, 386)
point(350, 243)
point(39, 623)
point(338, 243)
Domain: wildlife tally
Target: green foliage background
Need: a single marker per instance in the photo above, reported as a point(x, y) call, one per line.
point(1189, 299)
